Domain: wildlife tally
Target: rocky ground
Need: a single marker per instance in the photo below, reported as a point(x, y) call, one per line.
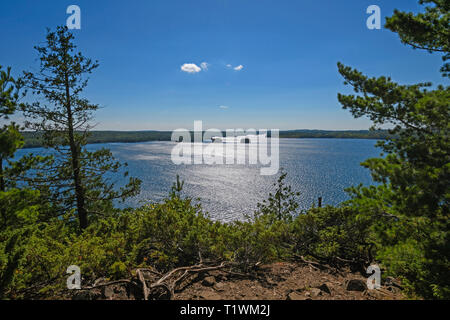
point(288, 281)
point(277, 281)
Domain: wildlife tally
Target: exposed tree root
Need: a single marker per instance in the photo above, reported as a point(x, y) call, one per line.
point(318, 266)
point(168, 282)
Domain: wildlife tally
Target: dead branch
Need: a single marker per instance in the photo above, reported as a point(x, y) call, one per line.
point(317, 265)
point(107, 284)
point(144, 284)
point(171, 286)
point(167, 281)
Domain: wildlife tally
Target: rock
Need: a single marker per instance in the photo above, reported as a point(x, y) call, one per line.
point(389, 281)
point(210, 295)
point(219, 286)
point(209, 281)
point(376, 294)
point(115, 292)
point(394, 289)
point(295, 296)
point(108, 292)
point(325, 288)
point(221, 277)
point(86, 295)
point(315, 292)
point(392, 282)
point(356, 285)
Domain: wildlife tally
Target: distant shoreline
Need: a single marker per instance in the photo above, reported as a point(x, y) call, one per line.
point(32, 139)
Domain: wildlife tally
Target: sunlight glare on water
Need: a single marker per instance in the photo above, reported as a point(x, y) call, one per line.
point(315, 168)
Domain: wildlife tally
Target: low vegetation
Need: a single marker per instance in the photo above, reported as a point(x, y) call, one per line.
point(162, 236)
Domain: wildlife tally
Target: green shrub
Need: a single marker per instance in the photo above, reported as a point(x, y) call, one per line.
point(334, 235)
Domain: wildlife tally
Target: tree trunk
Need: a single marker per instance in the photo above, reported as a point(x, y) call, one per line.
point(79, 191)
point(2, 180)
point(2, 189)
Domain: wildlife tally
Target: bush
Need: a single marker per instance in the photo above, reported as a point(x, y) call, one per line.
point(334, 235)
point(34, 255)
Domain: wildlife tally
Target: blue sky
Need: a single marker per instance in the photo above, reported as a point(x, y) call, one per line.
point(288, 50)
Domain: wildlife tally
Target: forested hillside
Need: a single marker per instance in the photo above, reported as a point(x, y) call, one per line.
point(33, 139)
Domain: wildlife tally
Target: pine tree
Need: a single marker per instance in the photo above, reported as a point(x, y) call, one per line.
point(77, 179)
point(10, 137)
point(283, 204)
point(412, 200)
point(13, 201)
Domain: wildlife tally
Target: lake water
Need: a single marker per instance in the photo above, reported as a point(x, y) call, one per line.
point(315, 168)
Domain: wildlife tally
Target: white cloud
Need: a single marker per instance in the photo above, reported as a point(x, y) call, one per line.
point(190, 68)
point(204, 65)
point(223, 107)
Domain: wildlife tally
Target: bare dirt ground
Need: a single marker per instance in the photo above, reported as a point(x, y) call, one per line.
point(287, 281)
point(276, 281)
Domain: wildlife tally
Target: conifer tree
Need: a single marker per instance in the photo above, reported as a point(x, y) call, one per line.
point(79, 179)
point(412, 199)
point(10, 137)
